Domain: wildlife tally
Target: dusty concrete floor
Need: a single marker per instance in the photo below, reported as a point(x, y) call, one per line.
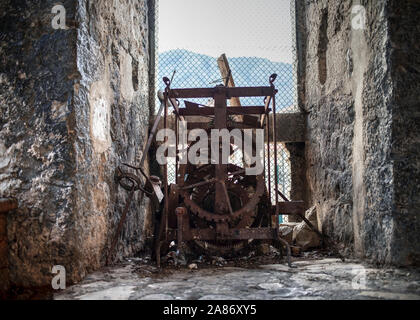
point(323, 278)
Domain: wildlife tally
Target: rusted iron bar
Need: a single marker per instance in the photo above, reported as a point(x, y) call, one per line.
point(229, 234)
point(165, 167)
point(173, 101)
point(120, 225)
point(193, 105)
point(229, 92)
point(271, 80)
point(207, 111)
point(268, 157)
point(267, 102)
point(220, 118)
point(176, 148)
point(182, 222)
point(208, 125)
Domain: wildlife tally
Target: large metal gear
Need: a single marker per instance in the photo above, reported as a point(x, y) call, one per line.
point(197, 191)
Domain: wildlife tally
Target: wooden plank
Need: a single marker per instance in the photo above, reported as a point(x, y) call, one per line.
point(229, 92)
point(226, 73)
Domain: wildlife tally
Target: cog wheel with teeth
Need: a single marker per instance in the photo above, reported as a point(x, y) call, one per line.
point(247, 196)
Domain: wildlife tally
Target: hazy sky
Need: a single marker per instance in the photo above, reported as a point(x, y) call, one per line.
point(260, 28)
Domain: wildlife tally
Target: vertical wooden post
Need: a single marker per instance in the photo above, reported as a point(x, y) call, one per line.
point(226, 73)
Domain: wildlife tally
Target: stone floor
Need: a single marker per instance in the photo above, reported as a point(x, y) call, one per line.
point(325, 278)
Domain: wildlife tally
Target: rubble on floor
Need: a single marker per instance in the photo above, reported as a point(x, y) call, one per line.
point(314, 277)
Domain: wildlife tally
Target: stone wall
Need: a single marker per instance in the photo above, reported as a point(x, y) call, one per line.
point(403, 22)
point(74, 104)
point(330, 112)
point(362, 124)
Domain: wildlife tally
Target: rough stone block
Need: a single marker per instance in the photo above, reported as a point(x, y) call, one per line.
point(303, 235)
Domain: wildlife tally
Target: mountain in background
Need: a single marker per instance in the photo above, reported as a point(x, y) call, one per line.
point(199, 70)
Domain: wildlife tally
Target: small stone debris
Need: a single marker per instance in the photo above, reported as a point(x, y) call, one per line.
point(218, 261)
point(296, 251)
point(192, 266)
point(264, 249)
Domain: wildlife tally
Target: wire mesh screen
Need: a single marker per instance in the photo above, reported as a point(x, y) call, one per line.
point(281, 172)
point(258, 40)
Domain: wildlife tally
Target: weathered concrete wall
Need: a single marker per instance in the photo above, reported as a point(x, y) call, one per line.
point(362, 131)
point(73, 105)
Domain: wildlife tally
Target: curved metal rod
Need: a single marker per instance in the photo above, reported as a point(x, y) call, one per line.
point(166, 81)
point(198, 184)
point(120, 225)
point(289, 252)
point(272, 78)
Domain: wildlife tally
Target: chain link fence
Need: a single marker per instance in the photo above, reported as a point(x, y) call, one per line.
point(258, 40)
